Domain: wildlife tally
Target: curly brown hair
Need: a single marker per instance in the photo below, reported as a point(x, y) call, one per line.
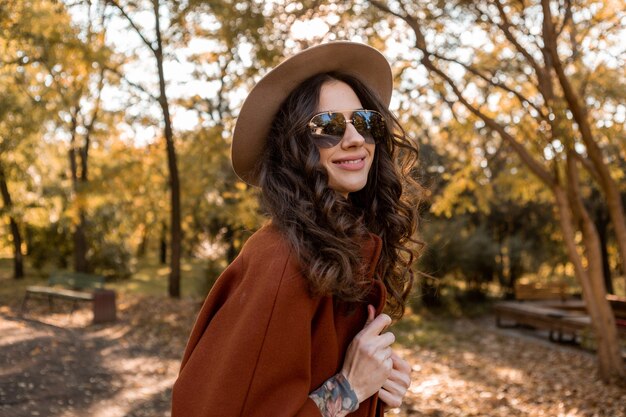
point(327, 230)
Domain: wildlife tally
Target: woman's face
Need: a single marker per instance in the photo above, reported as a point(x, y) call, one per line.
point(348, 162)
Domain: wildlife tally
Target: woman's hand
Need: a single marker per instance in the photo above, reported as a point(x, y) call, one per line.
point(368, 363)
point(396, 386)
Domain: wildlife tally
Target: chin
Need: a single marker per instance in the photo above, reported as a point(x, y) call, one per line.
point(346, 189)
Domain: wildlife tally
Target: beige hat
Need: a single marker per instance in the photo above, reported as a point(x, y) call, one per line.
point(361, 61)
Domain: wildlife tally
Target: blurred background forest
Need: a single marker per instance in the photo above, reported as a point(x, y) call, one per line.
point(104, 114)
point(116, 118)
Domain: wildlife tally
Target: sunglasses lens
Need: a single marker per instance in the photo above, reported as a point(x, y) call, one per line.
point(328, 129)
point(369, 124)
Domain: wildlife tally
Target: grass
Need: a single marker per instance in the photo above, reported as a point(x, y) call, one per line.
point(423, 330)
point(150, 278)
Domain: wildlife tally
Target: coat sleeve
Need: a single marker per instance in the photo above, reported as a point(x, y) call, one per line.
point(249, 353)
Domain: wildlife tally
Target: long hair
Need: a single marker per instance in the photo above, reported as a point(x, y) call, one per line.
point(327, 230)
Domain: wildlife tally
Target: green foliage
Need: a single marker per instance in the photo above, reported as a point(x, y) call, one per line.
point(49, 245)
point(110, 259)
point(52, 246)
point(218, 206)
point(108, 253)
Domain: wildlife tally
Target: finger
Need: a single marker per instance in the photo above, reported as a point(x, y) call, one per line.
point(384, 341)
point(399, 379)
point(403, 379)
point(394, 388)
point(371, 313)
point(388, 365)
point(400, 364)
point(396, 384)
point(377, 325)
point(384, 355)
point(389, 399)
point(385, 396)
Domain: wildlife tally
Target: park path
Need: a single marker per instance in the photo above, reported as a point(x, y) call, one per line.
point(51, 371)
point(59, 367)
point(476, 369)
point(56, 365)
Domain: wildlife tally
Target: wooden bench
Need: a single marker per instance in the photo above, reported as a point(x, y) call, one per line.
point(541, 291)
point(559, 318)
point(618, 305)
point(76, 287)
point(559, 323)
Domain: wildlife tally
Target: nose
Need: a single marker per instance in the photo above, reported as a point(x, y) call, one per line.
point(351, 137)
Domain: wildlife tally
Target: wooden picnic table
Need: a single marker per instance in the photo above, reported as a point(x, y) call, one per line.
point(559, 323)
point(565, 320)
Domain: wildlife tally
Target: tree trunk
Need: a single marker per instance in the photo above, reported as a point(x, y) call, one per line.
point(81, 179)
point(163, 245)
point(175, 238)
point(80, 241)
point(80, 244)
point(580, 114)
point(601, 221)
point(610, 363)
point(176, 234)
point(606, 268)
point(18, 259)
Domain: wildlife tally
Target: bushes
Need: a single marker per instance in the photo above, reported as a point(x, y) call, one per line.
point(52, 246)
point(49, 245)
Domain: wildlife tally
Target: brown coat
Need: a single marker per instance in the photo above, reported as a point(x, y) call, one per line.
point(261, 343)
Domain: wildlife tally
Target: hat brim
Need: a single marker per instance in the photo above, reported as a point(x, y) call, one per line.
point(361, 61)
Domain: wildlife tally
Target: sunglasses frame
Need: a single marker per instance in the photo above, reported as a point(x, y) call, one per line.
point(312, 125)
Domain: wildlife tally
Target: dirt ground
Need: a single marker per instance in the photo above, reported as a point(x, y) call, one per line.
point(55, 365)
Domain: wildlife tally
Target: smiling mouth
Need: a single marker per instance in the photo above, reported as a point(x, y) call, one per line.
point(350, 161)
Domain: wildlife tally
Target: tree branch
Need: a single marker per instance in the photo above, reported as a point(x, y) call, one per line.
point(490, 81)
point(567, 18)
point(132, 24)
point(410, 20)
point(89, 126)
point(420, 43)
point(534, 166)
point(505, 26)
point(127, 81)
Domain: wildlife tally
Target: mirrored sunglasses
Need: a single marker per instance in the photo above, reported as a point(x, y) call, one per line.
point(329, 127)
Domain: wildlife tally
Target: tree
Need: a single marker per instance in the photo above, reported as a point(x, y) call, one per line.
point(156, 48)
point(80, 79)
point(233, 27)
point(18, 264)
point(557, 155)
point(30, 32)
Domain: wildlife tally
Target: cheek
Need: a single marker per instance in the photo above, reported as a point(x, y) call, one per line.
point(324, 156)
point(371, 149)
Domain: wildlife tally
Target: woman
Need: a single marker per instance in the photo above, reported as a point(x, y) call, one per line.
point(294, 326)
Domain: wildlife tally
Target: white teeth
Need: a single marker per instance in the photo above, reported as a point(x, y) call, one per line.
point(354, 161)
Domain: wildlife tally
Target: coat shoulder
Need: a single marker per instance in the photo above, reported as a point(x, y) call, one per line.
point(267, 257)
point(268, 240)
point(267, 247)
